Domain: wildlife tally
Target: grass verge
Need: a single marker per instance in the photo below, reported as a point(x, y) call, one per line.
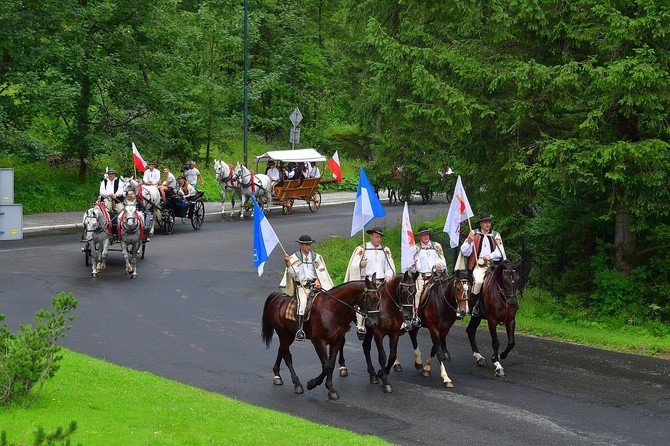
point(117, 405)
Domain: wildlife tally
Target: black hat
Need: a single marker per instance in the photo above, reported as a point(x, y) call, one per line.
point(423, 230)
point(305, 239)
point(271, 162)
point(484, 217)
point(375, 230)
point(150, 163)
point(111, 171)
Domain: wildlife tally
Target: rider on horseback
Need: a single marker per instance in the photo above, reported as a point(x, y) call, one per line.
point(430, 264)
point(481, 247)
point(375, 258)
point(305, 274)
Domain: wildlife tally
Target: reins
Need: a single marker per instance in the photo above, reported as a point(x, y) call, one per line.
point(365, 292)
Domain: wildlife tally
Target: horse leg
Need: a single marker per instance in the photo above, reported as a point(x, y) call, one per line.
point(343, 367)
point(381, 357)
point(133, 262)
point(509, 326)
point(367, 348)
point(95, 258)
point(104, 245)
point(285, 340)
point(471, 331)
point(393, 351)
point(442, 357)
point(429, 362)
point(330, 367)
point(320, 348)
point(418, 362)
point(495, 344)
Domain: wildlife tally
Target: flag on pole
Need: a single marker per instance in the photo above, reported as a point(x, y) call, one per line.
point(459, 211)
point(334, 166)
point(407, 244)
point(139, 162)
point(265, 238)
point(367, 206)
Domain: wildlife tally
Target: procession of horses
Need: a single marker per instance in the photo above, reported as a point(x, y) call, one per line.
point(329, 312)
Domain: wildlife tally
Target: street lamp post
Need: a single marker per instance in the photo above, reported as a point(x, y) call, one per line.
point(246, 64)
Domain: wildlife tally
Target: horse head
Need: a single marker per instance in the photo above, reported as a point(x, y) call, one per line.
point(130, 183)
point(371, 303)
point(243, 175)
point(94, 221)
point(506, 276)
point(462, 289)
point(130, 219)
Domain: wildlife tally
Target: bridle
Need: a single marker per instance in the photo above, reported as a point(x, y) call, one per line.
point(99, 225)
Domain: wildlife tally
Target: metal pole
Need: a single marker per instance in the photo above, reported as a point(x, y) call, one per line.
point(246, 68)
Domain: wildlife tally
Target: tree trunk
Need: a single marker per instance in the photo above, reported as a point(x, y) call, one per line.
point(82, 126)
point(625, 241)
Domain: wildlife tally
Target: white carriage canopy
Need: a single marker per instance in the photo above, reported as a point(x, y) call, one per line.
point(296, 156)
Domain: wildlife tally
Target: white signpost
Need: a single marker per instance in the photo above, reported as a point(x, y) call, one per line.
point(295, 117)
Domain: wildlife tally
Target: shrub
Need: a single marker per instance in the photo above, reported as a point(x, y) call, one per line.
point(29, 357)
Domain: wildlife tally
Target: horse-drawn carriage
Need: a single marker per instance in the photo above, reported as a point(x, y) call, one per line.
point(192, 208)
point(287, 191)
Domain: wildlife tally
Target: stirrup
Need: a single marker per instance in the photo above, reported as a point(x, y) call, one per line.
point(475, 311)
point(300, 335)
point(416, 322)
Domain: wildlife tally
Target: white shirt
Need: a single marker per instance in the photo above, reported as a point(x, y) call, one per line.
point(107, 188)
point(192, 175)
point(306, 270)
point(427, 258)
point(314, 172)
point(152, 177)
point(170, 180)
point(377, 262)
point(191, 191)
point(487, 249)
point(273, 173)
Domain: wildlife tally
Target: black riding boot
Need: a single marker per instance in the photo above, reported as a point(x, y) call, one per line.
point(475, 307)
point(300, 335)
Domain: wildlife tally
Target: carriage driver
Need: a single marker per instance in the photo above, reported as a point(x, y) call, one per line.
point(481, 247)
point(305, 273)
point(111, 192)
point(429, 263)
point(374, 258)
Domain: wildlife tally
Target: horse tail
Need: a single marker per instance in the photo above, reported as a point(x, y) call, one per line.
point(268, 328)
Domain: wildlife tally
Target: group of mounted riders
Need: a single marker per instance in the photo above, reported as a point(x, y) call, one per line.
point(306, 270)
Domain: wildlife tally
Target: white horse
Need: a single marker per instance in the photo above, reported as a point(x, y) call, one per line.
point(151, 197)
point(228, 183)
point(97, 232)
point(131, 229)
point(258, 185)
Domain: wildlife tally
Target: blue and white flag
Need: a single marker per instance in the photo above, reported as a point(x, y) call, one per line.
point(265, 238)
point(367, 205)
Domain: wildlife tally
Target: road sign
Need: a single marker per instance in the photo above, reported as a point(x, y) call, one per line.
point(6, 186)
point(11, 222)
point(295, 136)
point(296, 116)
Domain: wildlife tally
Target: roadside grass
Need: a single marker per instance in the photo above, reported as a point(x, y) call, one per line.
point(117, 405)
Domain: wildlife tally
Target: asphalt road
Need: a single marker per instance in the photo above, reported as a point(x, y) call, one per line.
point(193, 315)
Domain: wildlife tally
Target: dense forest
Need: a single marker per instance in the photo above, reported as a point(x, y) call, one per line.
point(554, 113)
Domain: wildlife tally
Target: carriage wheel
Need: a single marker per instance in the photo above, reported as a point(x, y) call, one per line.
point(287, 205)
point(198, 215)
point(168, 221)
point(314, 201)
point(427, 196)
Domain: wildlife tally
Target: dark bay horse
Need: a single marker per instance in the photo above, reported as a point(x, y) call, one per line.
point(329, 318)
point(499, 305)
point(384, 320)
point(446, 300)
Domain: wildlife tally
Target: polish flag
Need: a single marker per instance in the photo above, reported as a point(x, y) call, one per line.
point(334, 165)
point(139, 162)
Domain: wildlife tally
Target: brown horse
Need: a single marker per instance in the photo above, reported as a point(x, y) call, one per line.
point(445, 301)
point(329, 318)
point(385, 320)
point(499, 305)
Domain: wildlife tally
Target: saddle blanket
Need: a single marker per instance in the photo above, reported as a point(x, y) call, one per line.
point(291, 309)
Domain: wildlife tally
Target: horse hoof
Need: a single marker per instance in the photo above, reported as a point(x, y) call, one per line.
point(374, 379)
point(418, 365)
point(397, 368)
point(94, 274)
point(500, 373)
point(333, 395)
point(425, 373)
point(133, 276)
point(311, 384)
point(449, 385)
point(481, 362)
point(344, 372)
point(298, 389)
point(277, 381)
point(387, 388)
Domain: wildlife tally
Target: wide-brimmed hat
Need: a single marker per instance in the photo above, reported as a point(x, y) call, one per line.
point(484, 217)
point(305, 239)
point(375, 230)
point(110, 171)
point(271, 163)
point(151, 163)
point(422, 230)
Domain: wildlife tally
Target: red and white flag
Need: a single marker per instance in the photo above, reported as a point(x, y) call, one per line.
point(459, 211)
point(334, 166)
point(139, 162)
point(407, 243)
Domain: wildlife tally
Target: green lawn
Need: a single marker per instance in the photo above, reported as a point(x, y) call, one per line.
point(115, 405)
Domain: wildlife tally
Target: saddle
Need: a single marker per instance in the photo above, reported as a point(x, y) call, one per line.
point(292, 307)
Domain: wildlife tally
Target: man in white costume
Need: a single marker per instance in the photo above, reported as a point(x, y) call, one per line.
point(429, 263)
